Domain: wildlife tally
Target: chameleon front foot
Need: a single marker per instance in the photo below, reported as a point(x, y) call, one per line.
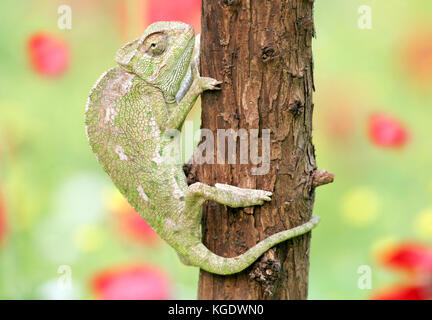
point(246, 197)
point(229, 195)
point(209, 84)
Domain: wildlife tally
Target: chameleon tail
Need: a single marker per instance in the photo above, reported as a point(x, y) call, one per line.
point(224, 266)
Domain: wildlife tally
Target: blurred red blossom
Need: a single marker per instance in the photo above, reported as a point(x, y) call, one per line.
point(416, 261)
point(129, 223)
point(404, 292)
point(416, 55)
point(136, 228)
point(188, 11)
point(134, 282)
point(48, 54)
point(411, 257)
point(386, 131)
point(134, 17)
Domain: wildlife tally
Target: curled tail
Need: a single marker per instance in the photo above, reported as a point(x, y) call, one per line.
point(213, 263)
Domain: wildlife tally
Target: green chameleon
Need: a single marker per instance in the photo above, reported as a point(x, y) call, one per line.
point(129, 113)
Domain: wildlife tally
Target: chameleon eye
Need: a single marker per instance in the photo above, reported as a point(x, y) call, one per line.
point(155, 44)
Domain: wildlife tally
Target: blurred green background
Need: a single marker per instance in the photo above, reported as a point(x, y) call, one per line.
point(65, 233)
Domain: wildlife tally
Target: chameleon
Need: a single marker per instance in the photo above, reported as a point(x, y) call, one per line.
point(129, 113)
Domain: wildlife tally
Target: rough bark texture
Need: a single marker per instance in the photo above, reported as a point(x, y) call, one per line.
point(261, 50)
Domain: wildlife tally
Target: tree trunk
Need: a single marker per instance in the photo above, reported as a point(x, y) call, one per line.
point(261, 50)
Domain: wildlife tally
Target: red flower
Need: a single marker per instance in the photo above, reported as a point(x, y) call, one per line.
point(129, 223)
point(48, 55)
point(404, 292)
point(133, 17)
point(140, 282)
point(386, 131)
point(408, 257)
point(188, 11)
point(416, 260)
point(136, 228)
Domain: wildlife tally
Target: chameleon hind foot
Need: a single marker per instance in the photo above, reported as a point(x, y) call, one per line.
point(229, 195)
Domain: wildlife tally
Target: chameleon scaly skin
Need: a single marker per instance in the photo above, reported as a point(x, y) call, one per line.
point(130, 112)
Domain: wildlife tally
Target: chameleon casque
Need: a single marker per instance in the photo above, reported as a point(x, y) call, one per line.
point(129, 112)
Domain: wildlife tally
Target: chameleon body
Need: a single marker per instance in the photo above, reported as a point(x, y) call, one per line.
point(129, 112)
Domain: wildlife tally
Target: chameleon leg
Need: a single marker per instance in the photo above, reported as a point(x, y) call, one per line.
point(200, 256)
point(231, 196)
point(182, 109)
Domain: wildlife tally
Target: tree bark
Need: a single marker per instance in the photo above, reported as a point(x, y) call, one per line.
point(261, 50)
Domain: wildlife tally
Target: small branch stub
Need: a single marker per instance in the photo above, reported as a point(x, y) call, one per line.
point(321, 177)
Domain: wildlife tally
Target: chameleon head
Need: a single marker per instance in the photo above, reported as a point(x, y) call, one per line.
point(162, 56)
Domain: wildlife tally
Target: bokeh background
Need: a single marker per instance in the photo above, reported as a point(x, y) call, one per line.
point(66, 233)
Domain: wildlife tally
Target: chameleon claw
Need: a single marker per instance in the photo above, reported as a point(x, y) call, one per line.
point(264, 195)
point(210, 84)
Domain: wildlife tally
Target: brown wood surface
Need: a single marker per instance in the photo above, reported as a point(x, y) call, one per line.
point(261, 50)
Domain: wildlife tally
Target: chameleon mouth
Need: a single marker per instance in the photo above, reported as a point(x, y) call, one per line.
point(157, 72)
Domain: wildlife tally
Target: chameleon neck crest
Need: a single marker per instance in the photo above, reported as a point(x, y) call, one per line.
point(130, 110)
